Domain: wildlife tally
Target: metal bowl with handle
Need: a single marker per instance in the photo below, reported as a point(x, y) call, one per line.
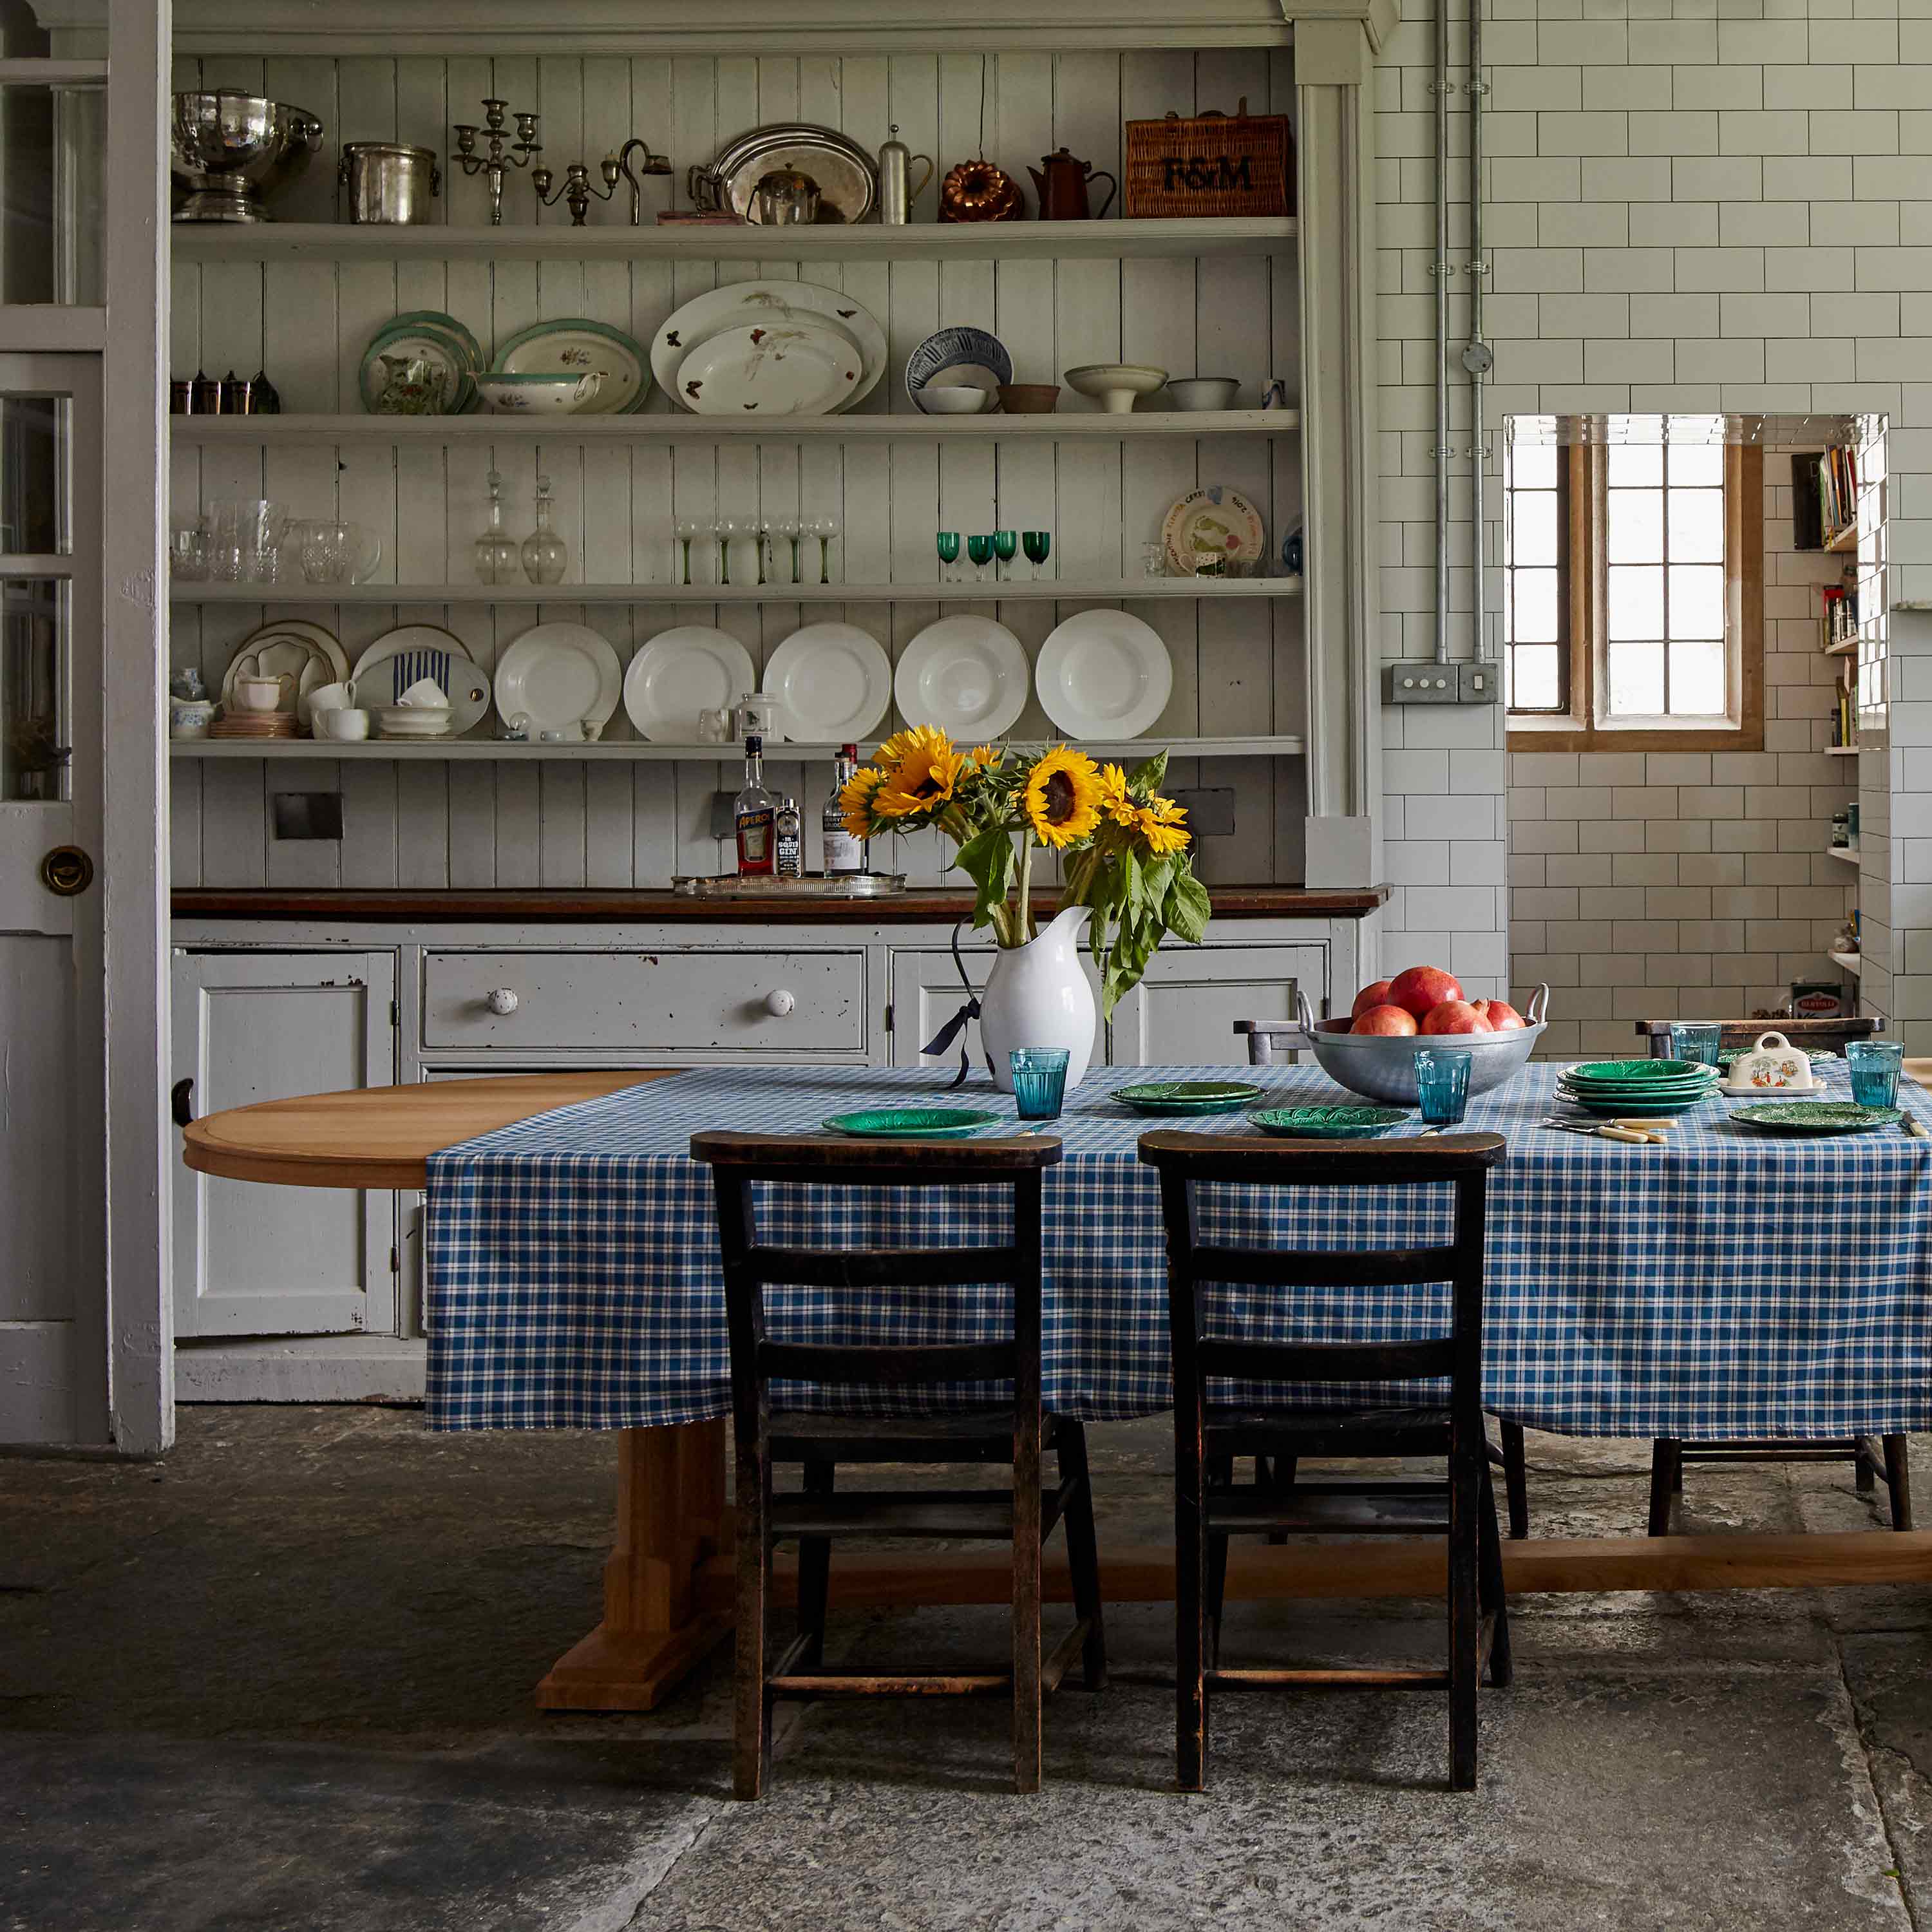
point(1382, 1066)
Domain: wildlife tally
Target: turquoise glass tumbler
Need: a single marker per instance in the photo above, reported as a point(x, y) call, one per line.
point(1874, 1068)
point(1441, 1085)
point(1039, 1082)
point(1695, 1040)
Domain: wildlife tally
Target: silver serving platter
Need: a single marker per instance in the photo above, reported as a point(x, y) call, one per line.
point(847, 175)
point(1382, 1066)
point(813, 886)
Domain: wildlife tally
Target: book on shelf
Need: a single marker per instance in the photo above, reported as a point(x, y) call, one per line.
point(1841, 613)
point(1837, 491)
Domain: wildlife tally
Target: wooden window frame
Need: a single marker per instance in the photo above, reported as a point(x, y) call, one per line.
point(1583, 627)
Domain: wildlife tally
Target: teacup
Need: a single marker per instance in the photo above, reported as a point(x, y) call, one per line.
point(426, 692)
point(341, 724)
point(330, 697)
point(260, 693)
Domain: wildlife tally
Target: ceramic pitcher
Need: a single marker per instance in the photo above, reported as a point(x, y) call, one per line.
point(1036, 995)
point(1062, 187)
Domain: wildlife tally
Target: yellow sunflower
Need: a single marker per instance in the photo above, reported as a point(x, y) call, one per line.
point(1116, 802)
point(902, 744)
point(1062, 802)
point(857, 801)
point(1159, 823)
point(983, 755)
point(925, 775)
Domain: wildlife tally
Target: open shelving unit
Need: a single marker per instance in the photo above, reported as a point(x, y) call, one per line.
point(633, 751)
point(1048, 590)
point(1849, 853)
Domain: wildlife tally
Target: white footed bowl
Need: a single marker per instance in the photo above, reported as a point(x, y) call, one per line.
point(1116, 386)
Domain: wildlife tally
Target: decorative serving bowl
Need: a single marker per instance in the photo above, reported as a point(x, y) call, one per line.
point(1116, 386)
point(537, 395)
point(230, 149)
point(954, 399)
point(1382, 1066)
point(1029, 399)
point(1203, 392)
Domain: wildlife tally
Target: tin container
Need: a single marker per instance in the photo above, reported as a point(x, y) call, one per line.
point(389, 184)
point(896, 192)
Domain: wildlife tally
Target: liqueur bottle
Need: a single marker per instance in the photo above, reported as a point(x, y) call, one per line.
point(754, 815)
point(845, 854)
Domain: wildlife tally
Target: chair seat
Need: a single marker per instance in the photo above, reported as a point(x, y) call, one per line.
point(1233, 1429)
point(979, 1434)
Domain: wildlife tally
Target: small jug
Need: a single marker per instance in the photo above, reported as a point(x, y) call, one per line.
point(412, 385)
point(1063, 188)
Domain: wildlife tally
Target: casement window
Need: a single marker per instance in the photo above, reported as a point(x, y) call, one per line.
point(1634, 576)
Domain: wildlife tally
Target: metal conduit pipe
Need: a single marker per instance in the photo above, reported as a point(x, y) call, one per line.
point(1477, 356)
point(1441, 269)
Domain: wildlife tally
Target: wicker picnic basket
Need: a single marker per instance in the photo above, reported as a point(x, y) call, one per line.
point(1210, 164)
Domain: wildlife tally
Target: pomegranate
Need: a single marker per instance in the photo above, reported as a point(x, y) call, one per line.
point(1502, 1017)
point(1384, 1019)
point(1376, 995)
point(1453, 1016)
point(1422, 987)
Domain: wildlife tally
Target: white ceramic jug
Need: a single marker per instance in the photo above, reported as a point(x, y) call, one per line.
point(1037, 996)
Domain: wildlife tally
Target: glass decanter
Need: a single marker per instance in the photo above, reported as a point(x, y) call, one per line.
point(546, 555)
point(498, 558)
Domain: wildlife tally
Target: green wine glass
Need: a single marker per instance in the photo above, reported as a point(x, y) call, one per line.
point(1005, 542)
point(948, 541)
point(1038, 545)
point(980, 550)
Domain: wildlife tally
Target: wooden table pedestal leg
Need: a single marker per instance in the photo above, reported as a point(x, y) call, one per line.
point(671, 1520)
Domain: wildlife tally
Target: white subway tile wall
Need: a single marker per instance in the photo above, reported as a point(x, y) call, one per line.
point(1681, 213)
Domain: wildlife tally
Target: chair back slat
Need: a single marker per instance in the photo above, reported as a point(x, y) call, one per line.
point(885, 1365)
point(1326, 1361)
point(1322, 1268)
point(1270, 1043)
point(880, 1268)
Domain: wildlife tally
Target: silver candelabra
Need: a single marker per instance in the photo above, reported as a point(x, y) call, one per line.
point(502, 156)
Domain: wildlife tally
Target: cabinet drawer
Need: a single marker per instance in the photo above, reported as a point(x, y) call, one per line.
point(666, 1002)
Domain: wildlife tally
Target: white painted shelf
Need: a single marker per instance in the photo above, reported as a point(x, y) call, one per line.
point(1841, 751)
point(1842, 650)
point(920, 241)
point(1095, 425)
point(1849, 853)
point(469, 750)
point(1130, 590)
point(1850, 961)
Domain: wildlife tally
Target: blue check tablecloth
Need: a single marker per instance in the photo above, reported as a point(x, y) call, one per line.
point(1732, 1283)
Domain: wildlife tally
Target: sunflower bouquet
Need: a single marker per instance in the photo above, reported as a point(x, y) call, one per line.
point(1124, 845)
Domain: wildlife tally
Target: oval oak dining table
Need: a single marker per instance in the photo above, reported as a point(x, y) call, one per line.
point(668, 1581)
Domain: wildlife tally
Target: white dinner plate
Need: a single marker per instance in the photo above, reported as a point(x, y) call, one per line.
point(834, 680)
point(1211, 525)
point(575, 346)
point(304, 652)
point(968, 676)
point(1104, 674)
point(784, 304)
point(680, 673)
point(398, 657)
point(774, 370)
point(558, 675)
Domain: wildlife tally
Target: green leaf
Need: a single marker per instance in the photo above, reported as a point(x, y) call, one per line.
point(1150, 775)
point(988, 860)
point(1189, 908)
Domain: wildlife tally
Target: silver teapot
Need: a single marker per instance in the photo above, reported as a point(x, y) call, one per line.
point(785, 198)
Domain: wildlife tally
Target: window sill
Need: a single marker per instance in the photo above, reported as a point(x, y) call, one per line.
point(1563, 735)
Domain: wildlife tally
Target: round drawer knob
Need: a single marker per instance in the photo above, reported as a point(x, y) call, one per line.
point(779, 1003)
point(501, 1000)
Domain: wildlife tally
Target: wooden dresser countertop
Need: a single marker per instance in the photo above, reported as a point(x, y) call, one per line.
point(935, 908)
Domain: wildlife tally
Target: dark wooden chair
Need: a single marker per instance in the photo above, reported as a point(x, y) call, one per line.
point(1272, 1043)
point(1210, 1506)
point(1014, 1432)
point(1871, 1457)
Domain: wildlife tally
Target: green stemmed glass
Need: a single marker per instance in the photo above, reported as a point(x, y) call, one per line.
point(1005, 542)
point(948, 541)
point(1038, 545)
point(980, 550)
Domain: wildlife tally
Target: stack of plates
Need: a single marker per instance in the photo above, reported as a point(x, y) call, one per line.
point(253, 724)
point(413, 720)
point(1637, 1087)
point(1189, 1097)
point(441, 339)
point(776, 348)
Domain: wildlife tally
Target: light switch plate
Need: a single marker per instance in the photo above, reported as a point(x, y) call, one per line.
point(1426, 683)
point(1482, 681)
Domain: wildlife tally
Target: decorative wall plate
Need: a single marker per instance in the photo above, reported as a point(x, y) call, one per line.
point(305, 653)
point(441, 340)
point(1211, 525)
point(786, 369)
point(680, 673)
point(834, 680)
point(788, 305)
point(398, 657)
point(1104, 674)
point(958, 356)
point(559, 675)
point(967, 675)
point(574, 346)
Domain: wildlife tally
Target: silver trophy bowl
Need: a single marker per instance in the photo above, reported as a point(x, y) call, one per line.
point(228, 148)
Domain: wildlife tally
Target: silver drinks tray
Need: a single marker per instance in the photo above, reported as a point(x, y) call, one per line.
point(813, 886)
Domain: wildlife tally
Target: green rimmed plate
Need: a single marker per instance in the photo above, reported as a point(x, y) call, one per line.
point(573, 345)
point(1635, 1072)
point(910, 1123)
point(1188, 1096)
point(1816, 1117)
point(1328, 1123)
point(1634, 1107)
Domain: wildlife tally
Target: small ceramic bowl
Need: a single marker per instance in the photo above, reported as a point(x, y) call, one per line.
point(947, 399)
point(1116, 386)
point(1203, 392)
point(343, 725)
point(537, 395)
point(259, 693)
point(1029, 399)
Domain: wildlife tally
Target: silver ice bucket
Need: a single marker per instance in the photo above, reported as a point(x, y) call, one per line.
point(389, 182)
point(228, 148)
point(1382, 1066)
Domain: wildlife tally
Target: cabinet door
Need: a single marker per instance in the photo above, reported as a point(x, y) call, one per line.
point(926, 994)
point(254, 1260)
point(1183, 1012)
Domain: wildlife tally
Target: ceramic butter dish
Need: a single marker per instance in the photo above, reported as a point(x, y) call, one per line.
point(1773, 1065)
